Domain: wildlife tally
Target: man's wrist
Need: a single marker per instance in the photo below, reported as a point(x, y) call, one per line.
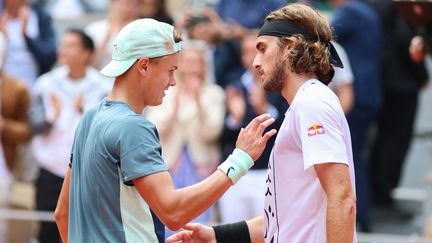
point(235, 232)
point(236, 165)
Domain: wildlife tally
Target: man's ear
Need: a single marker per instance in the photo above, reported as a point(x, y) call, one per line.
point(289, 46)
point(142, 65)
point(288, 43)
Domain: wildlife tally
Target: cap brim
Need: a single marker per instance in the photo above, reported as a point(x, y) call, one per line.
point(116, 68)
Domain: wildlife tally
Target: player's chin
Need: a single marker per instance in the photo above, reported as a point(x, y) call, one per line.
point(156, 102)
point(160, 101)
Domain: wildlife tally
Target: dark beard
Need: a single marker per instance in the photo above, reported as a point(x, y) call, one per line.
point(275, 82)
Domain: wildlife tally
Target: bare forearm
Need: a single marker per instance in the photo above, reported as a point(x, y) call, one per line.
point(62, 226)
point(346, 103)
point(346, 97)
point(256, 226)
point(341, 221)
point(177, 207)
point(194, 200)
point(341, 201)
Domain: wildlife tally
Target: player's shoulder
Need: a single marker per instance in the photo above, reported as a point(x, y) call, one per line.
point(315, 91)
point(133, 123)
point(91, 113)
point(316, 96)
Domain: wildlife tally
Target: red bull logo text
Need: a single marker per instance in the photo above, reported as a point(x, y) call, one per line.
point(315, 129)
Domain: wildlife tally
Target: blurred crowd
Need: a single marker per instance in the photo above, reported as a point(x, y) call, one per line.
point(48, 79)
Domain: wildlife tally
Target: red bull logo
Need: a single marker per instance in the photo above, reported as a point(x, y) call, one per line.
point(315, 129)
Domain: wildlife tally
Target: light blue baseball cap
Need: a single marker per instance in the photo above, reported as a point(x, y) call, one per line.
point(138, 39)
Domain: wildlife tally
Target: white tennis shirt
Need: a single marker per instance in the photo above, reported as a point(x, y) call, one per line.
point(314, 131)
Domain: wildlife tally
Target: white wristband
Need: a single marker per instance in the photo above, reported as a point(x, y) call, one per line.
point(236, 165)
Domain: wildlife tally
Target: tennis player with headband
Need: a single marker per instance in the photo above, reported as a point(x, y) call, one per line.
point(310, 195)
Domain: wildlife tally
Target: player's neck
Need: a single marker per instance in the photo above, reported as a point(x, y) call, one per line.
point(293, 83)
point(120, 92)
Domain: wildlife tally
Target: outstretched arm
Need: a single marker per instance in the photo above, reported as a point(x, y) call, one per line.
point(194, 233)
point(199, 233)
point(174, 207)
point(177, 207)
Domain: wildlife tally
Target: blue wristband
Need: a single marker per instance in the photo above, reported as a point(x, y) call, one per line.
point(236, 165)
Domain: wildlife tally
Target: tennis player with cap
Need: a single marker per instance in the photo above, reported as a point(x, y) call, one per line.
point(117, 188)
point(310, 195)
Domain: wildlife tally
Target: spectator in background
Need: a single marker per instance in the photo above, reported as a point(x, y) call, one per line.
point(63, 9)
point(223, 28)
point(104, 31)
point(190, 122)
point(402, 78)
point(242, 13)
point(31, 39)
point(342, 82)
point(96, 6)
point(155, 9)
point(14, 130)
point(247, 99)
point(351, 20)
point(204, 27)
point(419, 48)
point(59, 99)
